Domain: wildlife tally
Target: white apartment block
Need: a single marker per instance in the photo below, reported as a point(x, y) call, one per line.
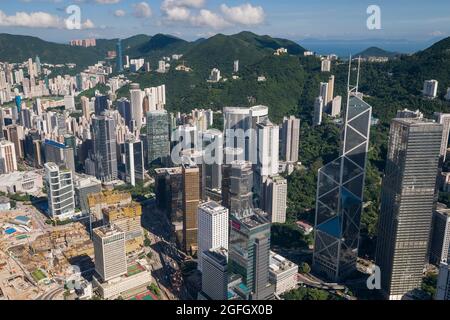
point(275, 196)
point(318, 110)
point(326, 65)
point(268, 148)
point(430, 88)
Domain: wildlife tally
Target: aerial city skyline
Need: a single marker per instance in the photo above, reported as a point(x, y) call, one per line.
point(238, 167)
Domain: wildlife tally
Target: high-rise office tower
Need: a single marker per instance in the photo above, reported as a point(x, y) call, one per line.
point(237, 186)
point(249, 252)
point(60, 192)
point(169, 197)
point(275, 198)
point(100, 105)
point(444, 119)
point(290, 139)
point(119, 57)
point(60, 154)
point(443, 282)
point(136, 98)
point(8, 159)
point(430, 88)
point(191, 199)
point(212, 148)
point(215, 274)
point(212, 228)
point(340, 196)
point(15, 134)
point(237, 125)
point(158, 143)
point(407, 198)
point(440, 234)
point(110, 253)
point(85, 185)
point(134, 160)
point(318, 110)
point(124, 108)
point(105, 148)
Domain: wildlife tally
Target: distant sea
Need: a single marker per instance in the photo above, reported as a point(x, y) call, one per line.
point(344, 48)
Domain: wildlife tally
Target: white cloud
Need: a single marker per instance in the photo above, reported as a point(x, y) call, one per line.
point(207, 18)
point(193, 13)
point(107, 1)
point(178, 14)
point(245, 14)
point(182, 3)
point(88, 24)
point(38, 20)
point(142, 10)
point(120, 13)
point(31, 20)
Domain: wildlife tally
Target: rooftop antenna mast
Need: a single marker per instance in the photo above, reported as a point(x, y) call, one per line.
point(357, 77)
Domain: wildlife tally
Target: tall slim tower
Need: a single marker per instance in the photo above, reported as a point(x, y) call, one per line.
point(105, 148)
point(290, 136)
point(158, 144)
point(407, 199)
point(340, 195)
point(191, 199)
point(119, 56)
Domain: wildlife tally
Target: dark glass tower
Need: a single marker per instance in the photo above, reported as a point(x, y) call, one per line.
point(105, 148)
point(249, 252)
point(340, 196)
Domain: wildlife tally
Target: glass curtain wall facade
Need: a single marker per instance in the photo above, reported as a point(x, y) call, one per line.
point(340, 196)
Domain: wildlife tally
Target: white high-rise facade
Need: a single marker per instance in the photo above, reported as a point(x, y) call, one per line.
point(430, 88)
point(268, 148)
point(290, 139)
point(318, 110)
point(161, 66)
point(326, 65)
point(60, 192)
point(275, 196)
point(137, 98)
point(212, 228)
point(336, 106)
point(324, 92)
point(110, 252)
point(156, 97)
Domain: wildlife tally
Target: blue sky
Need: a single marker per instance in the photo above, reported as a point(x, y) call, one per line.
point(415, 20)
